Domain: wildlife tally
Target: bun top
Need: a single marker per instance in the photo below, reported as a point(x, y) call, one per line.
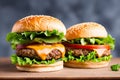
point(85, 30)
point(38, 23)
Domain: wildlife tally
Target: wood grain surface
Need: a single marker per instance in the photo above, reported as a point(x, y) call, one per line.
point(8, 71)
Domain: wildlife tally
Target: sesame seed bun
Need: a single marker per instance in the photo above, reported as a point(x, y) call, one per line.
point(38, 23)
point(85, 30)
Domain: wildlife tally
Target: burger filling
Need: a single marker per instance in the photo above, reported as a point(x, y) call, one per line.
point(109, 40)
point(89, 49)
point(36, 47)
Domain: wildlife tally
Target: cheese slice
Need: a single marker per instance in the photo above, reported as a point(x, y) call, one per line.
point(43, 50)
point(99, 52)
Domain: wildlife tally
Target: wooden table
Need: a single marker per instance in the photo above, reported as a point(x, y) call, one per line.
point(8, 71)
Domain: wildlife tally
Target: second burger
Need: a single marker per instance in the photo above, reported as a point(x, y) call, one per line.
point(88, 46)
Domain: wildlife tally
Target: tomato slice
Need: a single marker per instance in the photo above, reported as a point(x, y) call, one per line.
point(87, 46)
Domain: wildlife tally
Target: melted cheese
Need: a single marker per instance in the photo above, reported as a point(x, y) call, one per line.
point(43, 50)
point(99, 52)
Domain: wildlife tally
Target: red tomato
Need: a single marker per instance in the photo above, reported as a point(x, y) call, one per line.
point(87, 46)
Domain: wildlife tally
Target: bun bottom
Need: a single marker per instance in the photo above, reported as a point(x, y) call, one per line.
point(41, 67)
point(87, 64)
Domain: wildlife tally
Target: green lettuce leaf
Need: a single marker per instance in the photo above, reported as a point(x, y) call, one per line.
point(95, 41)
point(115, 67)
point(90, 57)
point(27, 61)
point(30, 37)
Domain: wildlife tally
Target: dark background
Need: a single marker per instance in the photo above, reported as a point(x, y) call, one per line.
point(105, 12)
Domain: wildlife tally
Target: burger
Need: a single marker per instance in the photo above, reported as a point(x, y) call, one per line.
point(88, 46)
point(37, 41)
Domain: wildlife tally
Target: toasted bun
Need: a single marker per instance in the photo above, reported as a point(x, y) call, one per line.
point(85, 30)
point(41, 67)
point(38, 23)
point(87, 64)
